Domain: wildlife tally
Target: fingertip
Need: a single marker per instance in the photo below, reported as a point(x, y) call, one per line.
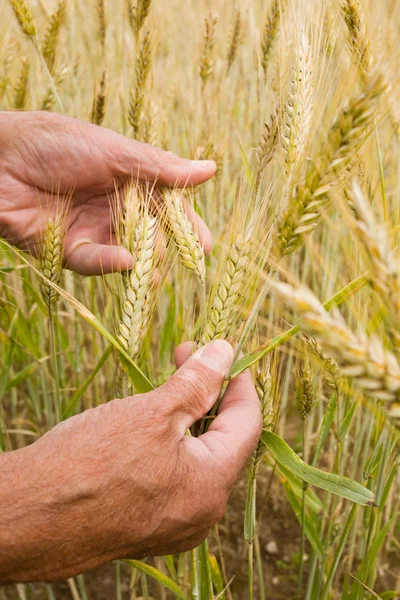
point(88, 258)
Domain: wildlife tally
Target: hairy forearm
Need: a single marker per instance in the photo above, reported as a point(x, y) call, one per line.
point(43, 519)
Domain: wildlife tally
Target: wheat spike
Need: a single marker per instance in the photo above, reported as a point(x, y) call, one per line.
point(235, 40)
point(21, 85)
point(357, 41)
point(151, 124)
point(24, 17)
point(384, 275)
point(269, 411)
point(49, 99)
point(267, 145)
point(206, 68)
point(138, 14)
point(185, 237)
point(99, 101)
point(298, 109)
point(142, 70)
point(224, 302)
point(374, 369)
point(333, 376)
point(49, 46)
point(101, 13)
point(305, 398)
point(270, 33)
point(136, 305)
point(51, 258)
point(348, 132)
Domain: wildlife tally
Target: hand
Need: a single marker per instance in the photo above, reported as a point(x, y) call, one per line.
point(44, 157)
point(123, 480)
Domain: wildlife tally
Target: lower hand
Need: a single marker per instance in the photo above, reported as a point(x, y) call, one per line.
point(123, 480)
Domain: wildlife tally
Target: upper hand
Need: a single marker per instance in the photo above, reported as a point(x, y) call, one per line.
point(123, 480)
point(45, 157)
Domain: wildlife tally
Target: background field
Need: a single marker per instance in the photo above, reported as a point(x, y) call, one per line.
point(209, 93)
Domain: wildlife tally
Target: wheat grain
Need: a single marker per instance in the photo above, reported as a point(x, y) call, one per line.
point(185, 237)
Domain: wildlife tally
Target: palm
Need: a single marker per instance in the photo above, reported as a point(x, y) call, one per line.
point(46, 159)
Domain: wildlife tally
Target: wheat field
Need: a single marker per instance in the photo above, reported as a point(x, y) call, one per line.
point(298, 103)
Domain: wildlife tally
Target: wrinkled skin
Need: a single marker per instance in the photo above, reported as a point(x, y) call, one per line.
point(120, 480)
point(44, 157)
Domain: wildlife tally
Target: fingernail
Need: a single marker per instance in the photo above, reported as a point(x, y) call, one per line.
point(216, 355)
point(204, 165)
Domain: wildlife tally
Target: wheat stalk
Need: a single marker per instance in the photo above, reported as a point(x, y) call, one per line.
point(224, 301)
point(185, 237)
point(374, 369)
point(348, 132)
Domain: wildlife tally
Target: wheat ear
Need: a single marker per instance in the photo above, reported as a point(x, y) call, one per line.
point(374, 369)
point(270, 33)
point(305, 398)
point(49, 46)
point(384, 275)
point(51, 257)
point(357, 40)
point(142, 70)
point(99, 101)
point(298, 109)
point(224, 301)
point(235, 40)
point(333, 376)
point(24, 17)
point(185, 237)
point(21, 85)
point(348, 132)
point(207, 58)
point(267, 146)
point(101, 13)
point(138, 14)
point(136, 305)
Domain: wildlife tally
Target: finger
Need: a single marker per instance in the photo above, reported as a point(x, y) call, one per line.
point(195, 387)
point(129, 158)
point(234, 433)
point(90, 258)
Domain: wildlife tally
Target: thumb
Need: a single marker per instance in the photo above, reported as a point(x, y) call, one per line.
point(192, 391)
